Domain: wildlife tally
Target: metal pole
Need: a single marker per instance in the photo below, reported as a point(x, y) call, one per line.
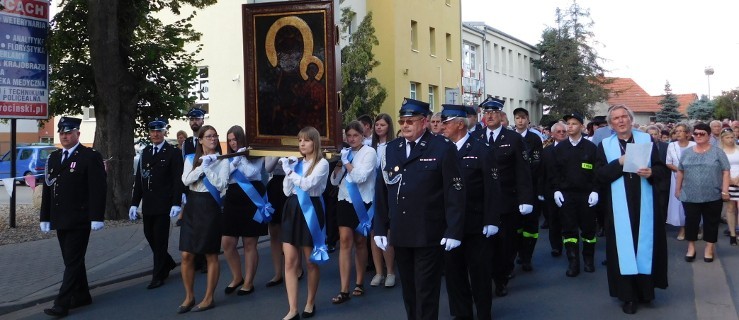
point(13, 156)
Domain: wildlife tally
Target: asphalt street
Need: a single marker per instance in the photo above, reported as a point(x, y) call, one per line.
point(697, 290)
point(23, 195)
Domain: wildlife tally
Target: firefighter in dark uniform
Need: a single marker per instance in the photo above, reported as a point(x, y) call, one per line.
point(576, 193)
point(467, 269)
point(73, 203)
point(423, 206)
point(516, 197)
point(529, 231)
point(158, 183)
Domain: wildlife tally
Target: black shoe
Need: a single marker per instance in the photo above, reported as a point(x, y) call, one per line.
point(706, 259)
point(76, 303)
point(690, 258)
point(556, 252)
point(629, 307)
point(56, 311)
point(732, 241)
point(230, 289)
point(156, 283)
point(307, 314)
point(501, 290)
point(272, 283)
point(243, 292)
point(295, 317)
point(171, 267)
point(201, 309)
point(186, 308)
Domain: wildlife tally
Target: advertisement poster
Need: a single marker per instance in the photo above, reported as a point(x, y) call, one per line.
point(24, 91)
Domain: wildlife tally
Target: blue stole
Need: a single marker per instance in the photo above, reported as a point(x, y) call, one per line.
point(363, 215)
point(211, 188)
point(320, 251)
point(264, 208)
point(629, 262)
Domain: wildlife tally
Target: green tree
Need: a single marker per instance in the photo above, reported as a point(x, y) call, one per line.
point(572, 78)
point(360, 93)
point(727, 105)
point(117, 57)
point(701, 109)
point(669, 103)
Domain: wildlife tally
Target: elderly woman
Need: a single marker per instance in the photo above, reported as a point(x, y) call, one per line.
point(675, 211)
point(702, 183)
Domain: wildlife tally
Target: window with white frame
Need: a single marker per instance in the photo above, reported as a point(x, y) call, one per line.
point(412, 94)
point(432, 95)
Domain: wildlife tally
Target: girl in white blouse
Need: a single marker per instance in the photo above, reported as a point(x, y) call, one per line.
point(355, 176)
point(298, 232)
point(383, 134)
point(207, 178)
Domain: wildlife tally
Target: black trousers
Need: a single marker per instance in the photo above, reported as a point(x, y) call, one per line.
point(577, 215)
point(156, 231)
point(420, 276)
point(711, 214)
point(504, 247)
point(468, 278)
point(555, 224)
point(73, 244)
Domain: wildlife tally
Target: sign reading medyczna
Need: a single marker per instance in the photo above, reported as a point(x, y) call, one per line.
point(24, 91)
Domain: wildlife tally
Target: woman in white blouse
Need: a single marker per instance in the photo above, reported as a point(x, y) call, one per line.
point(383, 134)
point(675, 211)
point(207, 178)
point(239, 214)
point(297, 234)
point(355, 176)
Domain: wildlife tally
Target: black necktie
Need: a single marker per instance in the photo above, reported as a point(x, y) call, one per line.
point(412, 144)
point(156, 150)
point(492, 140)
point(66, 155)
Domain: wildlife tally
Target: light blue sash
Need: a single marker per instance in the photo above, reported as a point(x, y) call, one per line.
point(363, 215)
point(264, 208)
point(211, 188)
point(629, 261)
point(320, 251)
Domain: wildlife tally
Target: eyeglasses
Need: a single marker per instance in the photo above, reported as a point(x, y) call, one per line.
point(409, 121)
point(211, 137)
point(700, 134)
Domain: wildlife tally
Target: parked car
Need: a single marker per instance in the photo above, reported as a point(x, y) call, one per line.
point(30, 160)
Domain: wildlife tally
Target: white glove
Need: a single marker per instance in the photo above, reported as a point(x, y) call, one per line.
point(349, 178)
point(540, 197)
point(593, 199)
point(525, 209)
point(285, 165)
point(184, 199)
point(174, 211)
point(242, 149)
point(450, 243)
point(293, 161)
point(345, 155)
point(96, 225)
point(132, 213)
point(381, 242)
point(489, 230)
point(208, 160)
point(45, 226)
point(559, 199)
point(237, 160)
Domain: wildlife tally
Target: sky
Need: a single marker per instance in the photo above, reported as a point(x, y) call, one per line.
point(650, 41)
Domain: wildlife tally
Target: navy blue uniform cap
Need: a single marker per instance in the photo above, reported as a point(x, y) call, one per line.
point(67, 124)
point(413, 107)
point(492, 104)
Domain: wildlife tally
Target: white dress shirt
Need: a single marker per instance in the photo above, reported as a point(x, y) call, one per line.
point(363, 174)
point(314, 183)
point(217, 174)
point(495, 133)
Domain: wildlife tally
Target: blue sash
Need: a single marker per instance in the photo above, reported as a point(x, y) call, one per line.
point(264, 208)
point(363, 215)
point(629, 261)
point(211, 188)
point(320, 251)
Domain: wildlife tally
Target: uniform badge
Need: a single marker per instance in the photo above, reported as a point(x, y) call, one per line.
point(536, 155)
point(72, 166)
point(494, 173)
point(525, 155)
point(396, 169)
point(423, 143)
point(457, 183)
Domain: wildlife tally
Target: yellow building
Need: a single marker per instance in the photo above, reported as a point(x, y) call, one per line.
point(419, 50)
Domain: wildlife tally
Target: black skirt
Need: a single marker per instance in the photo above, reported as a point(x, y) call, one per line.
point(201, 224)
point(276, 197)
point(294, 228)
point(346, 216)
point(238, 213)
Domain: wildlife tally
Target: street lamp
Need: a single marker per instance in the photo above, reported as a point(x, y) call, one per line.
point(709, 72)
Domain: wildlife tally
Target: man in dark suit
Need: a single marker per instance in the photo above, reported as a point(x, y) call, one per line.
point(425, 201)
point(158, 183)
point(467, 269)
point(474, 123)
point(514, 175)
point(529, 231)
point(73, 203)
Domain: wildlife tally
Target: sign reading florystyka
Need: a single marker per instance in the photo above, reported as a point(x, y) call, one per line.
point(24, 77)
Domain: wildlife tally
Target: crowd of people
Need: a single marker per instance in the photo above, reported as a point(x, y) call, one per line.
point(459, 193)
